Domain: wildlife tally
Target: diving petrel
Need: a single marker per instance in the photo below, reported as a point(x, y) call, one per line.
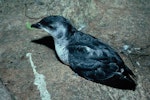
point(86, 55)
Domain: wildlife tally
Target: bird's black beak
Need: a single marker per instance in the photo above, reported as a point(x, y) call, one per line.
point(37, 25)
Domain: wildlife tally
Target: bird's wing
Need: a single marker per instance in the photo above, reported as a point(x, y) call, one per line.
point(90, 63)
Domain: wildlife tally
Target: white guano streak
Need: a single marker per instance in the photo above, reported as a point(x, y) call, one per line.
point(39, 81)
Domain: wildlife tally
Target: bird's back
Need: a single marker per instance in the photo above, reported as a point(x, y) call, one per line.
point(85, 51)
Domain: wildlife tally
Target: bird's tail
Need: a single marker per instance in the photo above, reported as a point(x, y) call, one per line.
point(126, 80)
point(129, 78)
point(120, 82)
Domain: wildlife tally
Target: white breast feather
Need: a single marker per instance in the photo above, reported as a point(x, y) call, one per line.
point(61, 51)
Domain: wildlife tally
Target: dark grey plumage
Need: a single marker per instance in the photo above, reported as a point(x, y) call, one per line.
point(86, 55)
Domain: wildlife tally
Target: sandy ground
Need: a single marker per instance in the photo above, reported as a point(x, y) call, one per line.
point(116, 22)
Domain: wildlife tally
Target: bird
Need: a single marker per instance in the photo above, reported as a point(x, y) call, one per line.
point(86, 55)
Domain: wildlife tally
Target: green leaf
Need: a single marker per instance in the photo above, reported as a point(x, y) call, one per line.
point(28, 26)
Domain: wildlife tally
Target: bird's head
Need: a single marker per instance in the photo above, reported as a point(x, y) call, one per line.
point(56, 26)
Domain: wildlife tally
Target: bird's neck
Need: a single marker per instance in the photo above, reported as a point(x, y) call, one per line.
point(61, 41)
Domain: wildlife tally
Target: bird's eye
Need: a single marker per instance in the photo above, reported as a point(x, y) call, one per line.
point(51, 27)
